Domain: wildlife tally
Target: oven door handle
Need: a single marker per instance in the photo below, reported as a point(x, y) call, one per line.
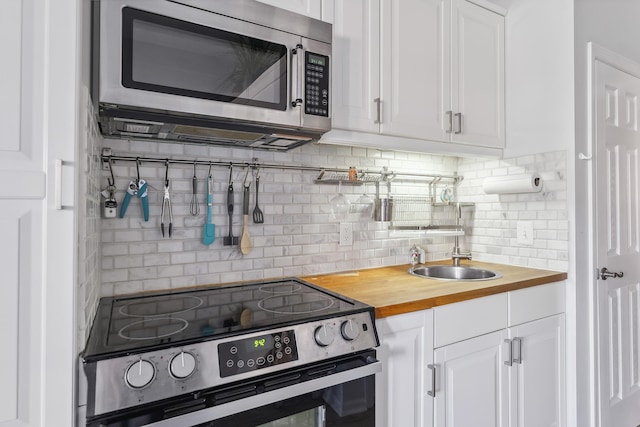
point(242, 405)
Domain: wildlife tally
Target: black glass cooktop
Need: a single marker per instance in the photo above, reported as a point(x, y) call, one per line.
point(148, 321)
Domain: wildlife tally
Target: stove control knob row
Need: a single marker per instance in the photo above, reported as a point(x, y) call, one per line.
point(350, 330)
point(140, 374)
point(324, 335)
point(182, 365)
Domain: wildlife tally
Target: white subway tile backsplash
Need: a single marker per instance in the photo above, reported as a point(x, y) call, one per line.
point(547, 210)
point(299, 235)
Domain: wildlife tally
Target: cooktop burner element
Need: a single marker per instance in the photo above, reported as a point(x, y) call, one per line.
point(148, 347)
point(298, 303)
point(171, 305)
point(153, 328)
point(281, 288)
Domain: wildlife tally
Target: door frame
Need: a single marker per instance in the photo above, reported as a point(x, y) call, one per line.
point(588, 273)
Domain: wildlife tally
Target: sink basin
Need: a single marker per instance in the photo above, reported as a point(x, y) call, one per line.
point(451, 272)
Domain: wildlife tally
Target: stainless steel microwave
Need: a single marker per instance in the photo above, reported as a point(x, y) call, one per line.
point(226, 72)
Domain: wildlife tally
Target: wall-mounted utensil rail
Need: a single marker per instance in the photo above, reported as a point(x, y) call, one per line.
point(365, 176)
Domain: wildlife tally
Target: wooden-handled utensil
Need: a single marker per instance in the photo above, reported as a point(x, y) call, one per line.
point(245, 241)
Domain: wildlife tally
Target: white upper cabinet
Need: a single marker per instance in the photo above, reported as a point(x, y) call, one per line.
point(425, 72)
point(477, 82)
point(356, 69)
point(415, 68)
point(311, 8)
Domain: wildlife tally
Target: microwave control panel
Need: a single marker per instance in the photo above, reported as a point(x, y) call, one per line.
point(316, 84)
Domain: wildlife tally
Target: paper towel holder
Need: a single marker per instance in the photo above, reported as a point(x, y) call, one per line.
point(513, 184)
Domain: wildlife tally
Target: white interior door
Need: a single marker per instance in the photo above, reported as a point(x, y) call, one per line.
point(617, 182)
point(37, 118)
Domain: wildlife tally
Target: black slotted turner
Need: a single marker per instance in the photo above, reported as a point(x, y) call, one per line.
point(258, 217)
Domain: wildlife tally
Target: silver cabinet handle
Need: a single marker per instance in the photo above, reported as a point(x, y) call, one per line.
point(605, 274)
point(378, 111)
point(518, 358)
point(432, 392)
point(509, 361)
point(450, 114)
point(297, 51)
point(459, 122)
point(57, 188)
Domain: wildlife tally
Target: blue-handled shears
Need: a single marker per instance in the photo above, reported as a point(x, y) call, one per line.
point(138, 188)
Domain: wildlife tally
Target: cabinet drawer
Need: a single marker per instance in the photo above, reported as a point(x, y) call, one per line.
point(467, 319)
point(536, 302)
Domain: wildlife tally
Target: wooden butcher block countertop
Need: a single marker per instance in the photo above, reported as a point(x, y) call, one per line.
point(391, 290)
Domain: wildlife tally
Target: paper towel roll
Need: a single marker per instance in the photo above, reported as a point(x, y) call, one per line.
point(527, 183)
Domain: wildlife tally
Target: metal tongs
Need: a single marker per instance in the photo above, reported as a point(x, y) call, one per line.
point(166, 201)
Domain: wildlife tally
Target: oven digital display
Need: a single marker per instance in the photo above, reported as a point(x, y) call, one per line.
point(250, 354)
point(258, 344)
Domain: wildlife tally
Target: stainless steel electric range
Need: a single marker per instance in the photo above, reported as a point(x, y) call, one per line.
point(253, 354)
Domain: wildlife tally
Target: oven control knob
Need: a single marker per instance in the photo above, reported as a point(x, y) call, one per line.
point(140, 374)
point(182, 365)
point(350, 330)
point(324, 335)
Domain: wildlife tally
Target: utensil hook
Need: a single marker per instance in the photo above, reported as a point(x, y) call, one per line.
point(230, 173)
point(194, 168)
point(246, 175)
point(166, 173)
point(209, 169)
point(111, 181)
point(137, 169)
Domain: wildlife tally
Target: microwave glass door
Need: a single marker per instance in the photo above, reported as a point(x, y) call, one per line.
point(167, 55)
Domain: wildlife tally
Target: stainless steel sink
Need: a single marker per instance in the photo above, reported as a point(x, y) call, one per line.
point(452, 272)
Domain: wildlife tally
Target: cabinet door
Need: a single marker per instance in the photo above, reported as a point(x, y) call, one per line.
point(472, 383)
point(477, 75)
point(415, 68)
point(538, 394)
point(406, 346)
point(356, 65)
point(311, 8)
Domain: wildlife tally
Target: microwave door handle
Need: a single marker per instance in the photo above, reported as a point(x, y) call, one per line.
point(298, 52)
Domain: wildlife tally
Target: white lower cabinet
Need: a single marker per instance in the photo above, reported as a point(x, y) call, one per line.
point(499, 361)
point(537, 375)
point(510, 376)
point(406, 349)
point(472, 383)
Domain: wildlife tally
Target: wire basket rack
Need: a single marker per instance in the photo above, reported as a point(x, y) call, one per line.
point(423, 213)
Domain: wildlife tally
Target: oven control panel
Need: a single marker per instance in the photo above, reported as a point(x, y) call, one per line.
point(258, 352)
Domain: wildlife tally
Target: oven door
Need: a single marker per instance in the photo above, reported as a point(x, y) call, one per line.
point(333, 393)
point(165, 56)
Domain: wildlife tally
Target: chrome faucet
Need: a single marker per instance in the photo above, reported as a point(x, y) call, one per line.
point(456, 253)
